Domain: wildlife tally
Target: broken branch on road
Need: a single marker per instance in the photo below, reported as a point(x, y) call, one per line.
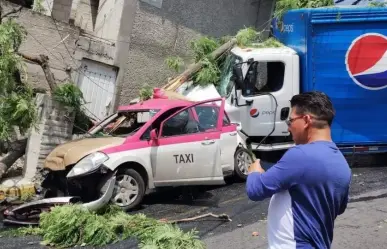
point(224, 217)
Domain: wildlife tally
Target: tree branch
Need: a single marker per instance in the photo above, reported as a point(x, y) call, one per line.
point(42, 60)
point(18, 150)
point(224, 217)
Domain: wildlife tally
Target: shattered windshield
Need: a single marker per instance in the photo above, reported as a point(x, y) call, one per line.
point(125, 123)
point(226, 85)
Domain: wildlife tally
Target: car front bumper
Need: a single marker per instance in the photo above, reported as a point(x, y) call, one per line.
point(28, 214)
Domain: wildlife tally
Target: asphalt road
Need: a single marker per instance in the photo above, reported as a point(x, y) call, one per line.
point(230, 199)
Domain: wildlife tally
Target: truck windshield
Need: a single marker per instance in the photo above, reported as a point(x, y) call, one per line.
point(225, 86)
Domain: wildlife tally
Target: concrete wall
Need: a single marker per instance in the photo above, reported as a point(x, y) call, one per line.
point(164, 28)
point(55, 127)
point(84, 14)
point(61, 10)
point(108, 20)
point(63, 44)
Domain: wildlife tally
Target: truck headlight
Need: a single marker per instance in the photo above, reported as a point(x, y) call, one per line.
point(88, 164)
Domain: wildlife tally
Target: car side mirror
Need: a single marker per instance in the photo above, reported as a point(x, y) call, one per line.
point(238, 75)
point(153, 135)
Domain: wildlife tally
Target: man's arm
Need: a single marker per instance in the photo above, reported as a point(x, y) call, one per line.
point(279, 177)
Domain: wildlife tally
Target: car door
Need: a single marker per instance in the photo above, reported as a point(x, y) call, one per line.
point(187, 152)
point(229, 143)
point(228, 138)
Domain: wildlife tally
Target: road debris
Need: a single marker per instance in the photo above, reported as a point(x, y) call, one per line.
point(224, 217)
point(29, 213)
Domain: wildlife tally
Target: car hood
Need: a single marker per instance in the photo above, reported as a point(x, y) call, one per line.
point(71, 152)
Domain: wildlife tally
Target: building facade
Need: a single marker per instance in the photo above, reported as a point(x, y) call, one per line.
point(117, 46)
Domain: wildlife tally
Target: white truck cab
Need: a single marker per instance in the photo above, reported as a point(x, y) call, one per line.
point(260, 99)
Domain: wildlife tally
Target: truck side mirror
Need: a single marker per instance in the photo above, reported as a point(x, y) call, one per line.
point(238, 75)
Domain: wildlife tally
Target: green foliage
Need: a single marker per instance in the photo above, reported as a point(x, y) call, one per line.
point(247, 36)
point(209, 74)
point(72, 225)
point(174, 62)
point(70, 96)
point(377, 4)
point(282, 6)
point(146, 92)
point(38, 6)
point(203, 46)
point(17, 107)
point(269, 43)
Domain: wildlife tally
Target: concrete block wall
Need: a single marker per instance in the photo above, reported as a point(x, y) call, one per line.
point(55, 126)
point(159, 32)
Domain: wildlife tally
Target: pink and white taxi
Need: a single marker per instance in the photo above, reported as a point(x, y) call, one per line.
point(142, 147)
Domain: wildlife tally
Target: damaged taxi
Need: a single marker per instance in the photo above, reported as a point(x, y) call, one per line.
point(144, 146)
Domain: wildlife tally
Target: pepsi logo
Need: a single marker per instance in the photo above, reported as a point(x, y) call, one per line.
point(254, 113)
point(366, 61)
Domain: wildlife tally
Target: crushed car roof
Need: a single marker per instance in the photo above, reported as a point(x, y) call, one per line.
point(156, 104)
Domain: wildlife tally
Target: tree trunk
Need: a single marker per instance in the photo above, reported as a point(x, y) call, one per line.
point(17, 150)
point(42, 60)
point(195, 67)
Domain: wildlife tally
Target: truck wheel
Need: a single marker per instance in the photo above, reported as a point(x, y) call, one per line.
point(129, 189)
point(242, 161)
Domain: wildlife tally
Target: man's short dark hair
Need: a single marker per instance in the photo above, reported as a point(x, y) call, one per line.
point(317, 104)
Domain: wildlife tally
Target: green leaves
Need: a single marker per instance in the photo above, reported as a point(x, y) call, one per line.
point(247, 36)
point(17, 108)
point(69, 95)
point(210, 73)
point(203, 46)
point(174, 62)
point(71, 225)
point(282, 6)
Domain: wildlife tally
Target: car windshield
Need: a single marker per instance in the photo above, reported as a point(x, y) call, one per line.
point(124, 123)
point(225, 86)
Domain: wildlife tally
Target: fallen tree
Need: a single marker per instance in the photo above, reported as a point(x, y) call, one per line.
point(208, 61)
point(18, 112)
point(72, 225)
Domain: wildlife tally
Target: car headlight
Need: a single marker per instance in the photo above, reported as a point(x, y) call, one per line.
point(88, 164)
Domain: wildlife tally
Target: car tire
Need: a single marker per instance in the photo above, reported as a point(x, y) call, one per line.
point(244, 155)
point(125, 179)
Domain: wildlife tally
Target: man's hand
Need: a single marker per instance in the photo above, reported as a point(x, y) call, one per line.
point(256, 167)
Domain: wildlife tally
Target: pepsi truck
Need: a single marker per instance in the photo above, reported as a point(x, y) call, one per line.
point(341, 51)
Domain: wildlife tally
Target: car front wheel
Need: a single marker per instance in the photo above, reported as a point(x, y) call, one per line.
point(242, 161)
point(129, 189)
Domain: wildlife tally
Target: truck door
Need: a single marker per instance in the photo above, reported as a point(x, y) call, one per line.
point(265, 98)
point(187, 150)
